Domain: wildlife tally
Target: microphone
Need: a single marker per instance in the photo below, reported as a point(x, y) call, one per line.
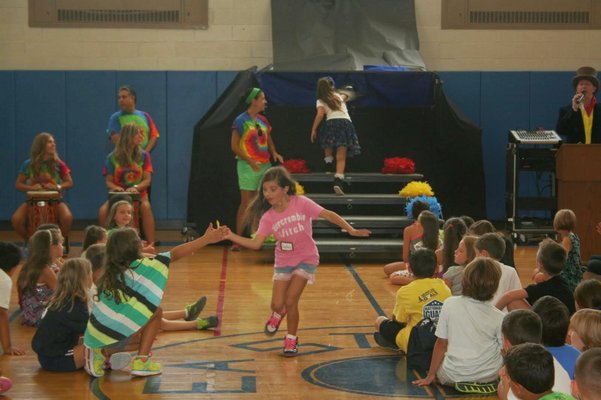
point(580, 98)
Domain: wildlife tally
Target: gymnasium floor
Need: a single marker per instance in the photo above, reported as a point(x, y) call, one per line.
point(337, 359)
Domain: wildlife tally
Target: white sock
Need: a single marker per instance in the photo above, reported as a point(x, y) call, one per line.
point(289, 336)
point(341, 176)
point(329, 159)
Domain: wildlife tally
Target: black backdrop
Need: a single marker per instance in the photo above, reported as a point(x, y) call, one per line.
point(445, 146)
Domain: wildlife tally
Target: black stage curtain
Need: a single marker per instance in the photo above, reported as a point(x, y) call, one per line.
point(445, 146)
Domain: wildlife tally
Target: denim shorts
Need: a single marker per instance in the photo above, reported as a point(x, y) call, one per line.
point(303, 270)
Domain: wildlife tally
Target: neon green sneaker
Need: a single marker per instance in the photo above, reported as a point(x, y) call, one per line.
point(206, 323)
point(93, 362)
point(193, 309)
point(144, 366)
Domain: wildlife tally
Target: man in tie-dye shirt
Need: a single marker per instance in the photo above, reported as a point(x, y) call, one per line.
point(128, 114)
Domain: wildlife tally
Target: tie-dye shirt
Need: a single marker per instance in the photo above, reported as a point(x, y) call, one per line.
point(253, 136)
point(47, 175)
point(140, 118)
point(145, 281)
point(129, 175)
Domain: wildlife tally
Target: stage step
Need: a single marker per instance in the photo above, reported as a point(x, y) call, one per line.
point(352, 177)
point(351, 246)
point(378, 224)
point(357, 198)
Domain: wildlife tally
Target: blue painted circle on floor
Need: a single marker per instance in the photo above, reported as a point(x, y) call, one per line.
point(377, 376)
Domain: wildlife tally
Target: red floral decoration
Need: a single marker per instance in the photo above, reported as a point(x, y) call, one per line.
point(296, 166)
point(398, 165)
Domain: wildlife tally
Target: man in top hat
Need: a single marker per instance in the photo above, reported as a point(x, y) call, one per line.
point(580, 122)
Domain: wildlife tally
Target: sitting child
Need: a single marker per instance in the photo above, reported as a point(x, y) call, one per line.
point(550, 260)
point(37, 279)
point(492, 245)
point(564, 223)
point(588, 294)
point(585, 329)
point(529, 372)
point(420, 299)
point(587, 376)
point(10, 257)
point(556, 320)
point(429, 240)
point(464, 254)
point(411, 235)
point(469, 342)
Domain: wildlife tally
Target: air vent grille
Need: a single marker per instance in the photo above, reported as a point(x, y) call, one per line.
point(149, 14)
point(521, 14)
point(119, 16)
point(528, 17)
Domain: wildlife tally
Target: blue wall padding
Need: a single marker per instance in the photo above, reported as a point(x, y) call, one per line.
point(75, 106)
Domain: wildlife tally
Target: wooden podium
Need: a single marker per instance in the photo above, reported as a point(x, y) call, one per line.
point(578, 169)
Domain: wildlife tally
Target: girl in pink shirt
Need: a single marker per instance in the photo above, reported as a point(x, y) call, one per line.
point(278, 211)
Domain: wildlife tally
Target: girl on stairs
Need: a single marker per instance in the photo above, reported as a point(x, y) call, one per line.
point(336, 132)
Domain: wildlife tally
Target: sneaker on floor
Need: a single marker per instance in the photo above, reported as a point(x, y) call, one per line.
point(476, 387)
point(144, 366)
point(206, 323)
point(93, 362)
point(235, 247)
point(379, 339)
point(194, 309)
point(290, 346)
point(329, 167)
point(273, 323)
point(5, 384)
point(118, 361)
point(339, 186)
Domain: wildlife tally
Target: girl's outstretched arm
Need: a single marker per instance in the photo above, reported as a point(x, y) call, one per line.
point(254, 243)
point(318, 118)
point(211, 235)
point(336, 219)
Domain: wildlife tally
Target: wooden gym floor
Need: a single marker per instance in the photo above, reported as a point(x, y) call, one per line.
point(337, 359)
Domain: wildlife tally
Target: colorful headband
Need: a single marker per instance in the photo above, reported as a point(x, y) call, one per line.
point(252, 95)
point(329, 78)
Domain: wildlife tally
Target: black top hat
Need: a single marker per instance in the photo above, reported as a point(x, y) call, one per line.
point(588, 73)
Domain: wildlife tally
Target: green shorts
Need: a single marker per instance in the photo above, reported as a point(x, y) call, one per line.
point(249, 179)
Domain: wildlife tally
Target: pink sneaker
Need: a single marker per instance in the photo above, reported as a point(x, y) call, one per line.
point(290, 346)
point(273, 323)
point(5, 384)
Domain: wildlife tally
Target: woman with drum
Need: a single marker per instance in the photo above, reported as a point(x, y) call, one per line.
point(129, 169)
point(44, 177)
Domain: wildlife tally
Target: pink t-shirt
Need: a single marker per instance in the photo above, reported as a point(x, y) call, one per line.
point(293, 231)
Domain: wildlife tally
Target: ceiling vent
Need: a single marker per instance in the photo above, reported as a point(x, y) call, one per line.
point(521, 14)
point(148, 14)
